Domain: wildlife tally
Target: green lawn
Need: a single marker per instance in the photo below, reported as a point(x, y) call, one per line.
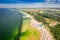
point(28, 32)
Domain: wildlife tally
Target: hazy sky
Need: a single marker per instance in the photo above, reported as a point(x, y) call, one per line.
point(29, 3)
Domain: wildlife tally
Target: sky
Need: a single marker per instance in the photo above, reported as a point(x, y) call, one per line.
point(29, 3)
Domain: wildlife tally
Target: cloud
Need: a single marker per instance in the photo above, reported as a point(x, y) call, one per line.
point(30, 5)
point(54, 1)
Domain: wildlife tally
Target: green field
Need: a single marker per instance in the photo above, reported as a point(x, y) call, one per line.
point(28, 32)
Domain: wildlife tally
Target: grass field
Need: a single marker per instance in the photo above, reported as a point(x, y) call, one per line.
point(28, 32)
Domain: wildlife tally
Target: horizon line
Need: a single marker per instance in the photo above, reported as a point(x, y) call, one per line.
point(30, 5)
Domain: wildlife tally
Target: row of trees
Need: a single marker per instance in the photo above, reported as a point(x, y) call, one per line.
point(56, 31)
